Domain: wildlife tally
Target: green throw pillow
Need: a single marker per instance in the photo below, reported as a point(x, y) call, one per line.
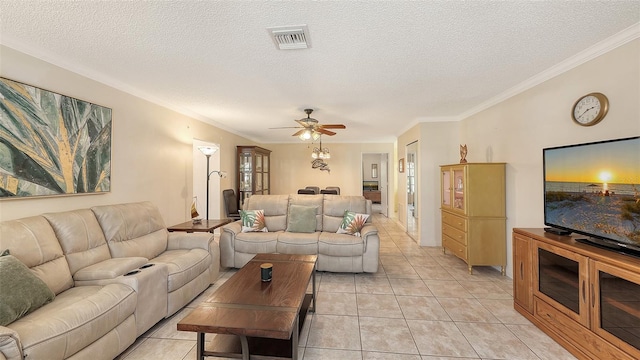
point(352, 223)
point(21, 291)
point(301, 219)
point(253, 220)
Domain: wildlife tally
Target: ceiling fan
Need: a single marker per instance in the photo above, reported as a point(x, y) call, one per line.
point(311, 129)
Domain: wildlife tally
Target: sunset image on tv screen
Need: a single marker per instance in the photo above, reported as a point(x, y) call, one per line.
point(595, 189)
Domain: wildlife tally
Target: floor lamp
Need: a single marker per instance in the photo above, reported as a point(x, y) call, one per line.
point(208, 151)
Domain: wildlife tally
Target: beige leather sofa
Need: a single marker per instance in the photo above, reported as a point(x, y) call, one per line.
point(96, 261)
point(336, 252)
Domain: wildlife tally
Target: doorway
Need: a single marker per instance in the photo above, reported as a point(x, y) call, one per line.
point(375, 173)
point(412, 190)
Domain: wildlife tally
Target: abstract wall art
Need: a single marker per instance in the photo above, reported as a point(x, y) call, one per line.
point(51, 144)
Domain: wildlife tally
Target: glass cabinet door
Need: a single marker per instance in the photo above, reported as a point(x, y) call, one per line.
point(265, 183)
point(458, 189)
point(562, 280)
point(245, 163)
point(446, 188)
point(616, 293)
point(258, 182)
point(258, 163)
point(253, 170)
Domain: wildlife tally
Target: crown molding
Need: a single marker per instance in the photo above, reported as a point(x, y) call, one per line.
point(97, 76)
point(623, 37)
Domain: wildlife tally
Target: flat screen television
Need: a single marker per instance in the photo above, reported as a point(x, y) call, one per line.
point(593, 189)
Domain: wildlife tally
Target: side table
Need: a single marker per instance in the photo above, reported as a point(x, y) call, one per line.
point(206, 226)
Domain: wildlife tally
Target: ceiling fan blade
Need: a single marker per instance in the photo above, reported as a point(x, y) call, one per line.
point(298, 133)
point(302, 123)
point(333, 126)
point(325, 132)
point(285, 127)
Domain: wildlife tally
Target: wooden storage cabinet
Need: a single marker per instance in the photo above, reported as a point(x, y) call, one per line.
point(584, 297)
point(374, 195)
point(473, 213)
point(253, 172)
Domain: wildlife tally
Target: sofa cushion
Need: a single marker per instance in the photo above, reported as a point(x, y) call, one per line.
point(34, 243)
point(275, 209)
point(134, 229)
point(309, 200)
point(334, 207)
point(301, 219)
point(74, 320)
point(184, 265)
point(80, 237)
point(257, 242)
point(352, 223)
point(298, 243)
point(333, 244)
point(253, 220)
point(21, 291)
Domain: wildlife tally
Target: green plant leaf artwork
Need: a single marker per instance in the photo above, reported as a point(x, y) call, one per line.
point(51, 144)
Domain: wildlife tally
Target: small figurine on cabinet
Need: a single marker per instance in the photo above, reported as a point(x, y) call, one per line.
point(463, 154)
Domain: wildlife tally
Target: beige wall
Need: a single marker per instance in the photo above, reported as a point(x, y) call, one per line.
point(437, 145)
point(151, 145)
point(291, 167)
point(516, 130)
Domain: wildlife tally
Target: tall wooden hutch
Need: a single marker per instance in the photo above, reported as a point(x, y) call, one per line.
point(253, 170)
point(474, 213)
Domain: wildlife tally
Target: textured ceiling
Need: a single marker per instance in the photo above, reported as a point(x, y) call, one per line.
point(377, 67)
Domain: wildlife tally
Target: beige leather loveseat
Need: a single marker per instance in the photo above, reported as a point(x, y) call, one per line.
point(336, 252)
point(115, 272)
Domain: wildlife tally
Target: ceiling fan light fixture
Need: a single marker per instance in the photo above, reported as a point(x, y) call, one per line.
point(306, 135)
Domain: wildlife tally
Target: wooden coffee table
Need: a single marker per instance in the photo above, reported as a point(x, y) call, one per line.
point(255, 319)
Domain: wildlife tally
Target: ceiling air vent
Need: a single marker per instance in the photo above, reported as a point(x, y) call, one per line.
point(290, 37)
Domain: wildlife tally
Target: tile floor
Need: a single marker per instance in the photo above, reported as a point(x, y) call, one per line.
point(420, 305)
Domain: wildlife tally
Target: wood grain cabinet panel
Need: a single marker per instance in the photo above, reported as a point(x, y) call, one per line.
point(584, 297)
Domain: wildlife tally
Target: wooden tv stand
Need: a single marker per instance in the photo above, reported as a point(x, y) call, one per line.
point(584, 297)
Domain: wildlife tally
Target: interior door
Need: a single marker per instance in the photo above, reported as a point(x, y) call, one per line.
point(384, 181)
point(411, 171)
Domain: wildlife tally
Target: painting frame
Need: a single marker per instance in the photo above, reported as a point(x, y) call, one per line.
point(401, 165)
point(52, 144)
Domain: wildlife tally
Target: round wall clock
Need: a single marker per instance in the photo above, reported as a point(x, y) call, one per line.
point(590, 109)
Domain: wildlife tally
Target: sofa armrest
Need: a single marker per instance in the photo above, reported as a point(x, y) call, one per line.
point(109, 269)
point(10, 345)
point(233, 228)
point(182, 240)
point(368, 231)
point(186, 241)
point(227, 241)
